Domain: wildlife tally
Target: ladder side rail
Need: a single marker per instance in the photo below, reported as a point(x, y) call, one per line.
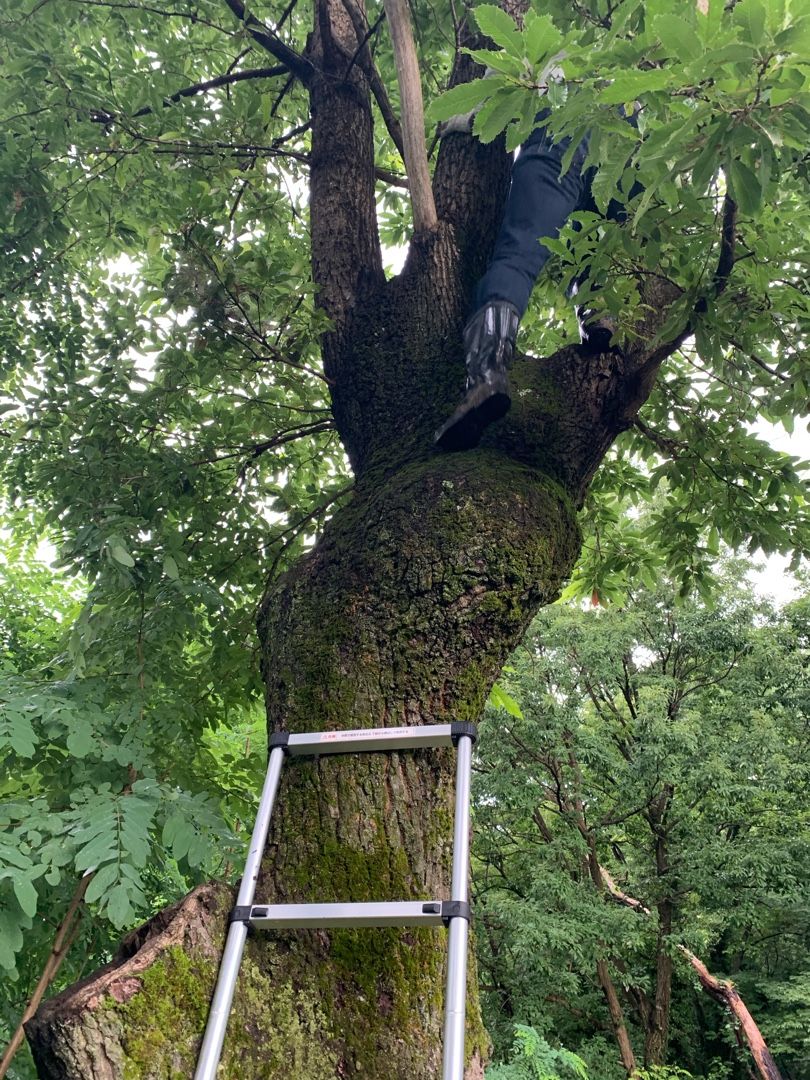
point(214, 1037)
point(456, 995)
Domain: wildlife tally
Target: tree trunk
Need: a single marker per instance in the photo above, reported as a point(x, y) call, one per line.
point(657, 1035)
point(403, 613)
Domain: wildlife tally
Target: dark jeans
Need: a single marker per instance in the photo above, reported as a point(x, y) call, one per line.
point(539, 203)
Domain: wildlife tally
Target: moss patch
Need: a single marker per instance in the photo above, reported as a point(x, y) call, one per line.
point(274, 1029)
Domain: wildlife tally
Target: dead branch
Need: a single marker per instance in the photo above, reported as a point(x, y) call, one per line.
point(722, 990)
point(425, 217)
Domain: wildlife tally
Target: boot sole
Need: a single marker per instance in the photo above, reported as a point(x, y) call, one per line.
point(482, 405)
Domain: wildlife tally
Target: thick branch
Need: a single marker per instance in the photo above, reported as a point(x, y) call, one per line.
point(346, 254)
point(727, 994)
point(721, 990)
point(413, 116)
point(363, 56)
point(728, 237)
point(292, 60)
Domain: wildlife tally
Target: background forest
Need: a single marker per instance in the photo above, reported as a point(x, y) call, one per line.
point(169, 450)
point(666, 738)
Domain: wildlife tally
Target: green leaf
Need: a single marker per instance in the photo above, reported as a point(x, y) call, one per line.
point(461, 99)
point(26, 895)
point(170, 567)
point(541, 38)
point(708, 163)
point(118, 907)
point(121, 555)
point(745, 187)
point(795, 38)
point(751, 15)
point(102, 882)
point(500, 699)
point(80, 740)
point(496, 24)
point(496, 113)
point(678, 37)
point(16, 730)
point(627, 87)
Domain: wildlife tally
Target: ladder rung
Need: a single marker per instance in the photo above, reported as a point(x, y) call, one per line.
point(351, 742)
point(397, 913)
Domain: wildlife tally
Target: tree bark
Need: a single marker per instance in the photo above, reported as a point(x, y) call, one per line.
point(403, 613)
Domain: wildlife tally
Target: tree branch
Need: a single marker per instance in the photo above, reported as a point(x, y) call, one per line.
point(425, 218)
point(191, 16)
point(728, 237)
point(102, 116)
point(721, 990)
point(363, 56)
point(346, 252)
point(64, 938)
point(727, 994)
point(265, 37)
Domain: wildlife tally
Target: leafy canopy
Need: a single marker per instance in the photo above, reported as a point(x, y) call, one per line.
point(163, 410)
point(670, 739)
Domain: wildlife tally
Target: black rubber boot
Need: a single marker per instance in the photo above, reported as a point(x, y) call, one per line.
point(489, 344)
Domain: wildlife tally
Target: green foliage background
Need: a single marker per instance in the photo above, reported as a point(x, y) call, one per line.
point(699, 708)
point(165, 424)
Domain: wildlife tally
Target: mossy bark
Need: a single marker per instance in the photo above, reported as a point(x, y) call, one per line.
point(403, 613)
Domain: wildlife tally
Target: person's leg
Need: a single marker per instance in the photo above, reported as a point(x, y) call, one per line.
point(597, 331)
point(539, 203)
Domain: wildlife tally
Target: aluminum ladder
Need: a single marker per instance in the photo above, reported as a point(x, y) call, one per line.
point(453, 913)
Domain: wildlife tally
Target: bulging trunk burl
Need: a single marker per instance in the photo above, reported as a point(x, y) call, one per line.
point(403, 613)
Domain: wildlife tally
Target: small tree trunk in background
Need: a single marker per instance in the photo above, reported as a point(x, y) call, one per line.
point(616, 1017)
point(657, 1037)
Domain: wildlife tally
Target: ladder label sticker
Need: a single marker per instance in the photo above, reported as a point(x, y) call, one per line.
point(364, 733)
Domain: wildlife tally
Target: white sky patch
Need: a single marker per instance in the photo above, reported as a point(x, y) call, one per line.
point(773, 579)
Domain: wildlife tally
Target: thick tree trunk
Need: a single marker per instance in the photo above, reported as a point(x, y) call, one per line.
point(403, 613)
